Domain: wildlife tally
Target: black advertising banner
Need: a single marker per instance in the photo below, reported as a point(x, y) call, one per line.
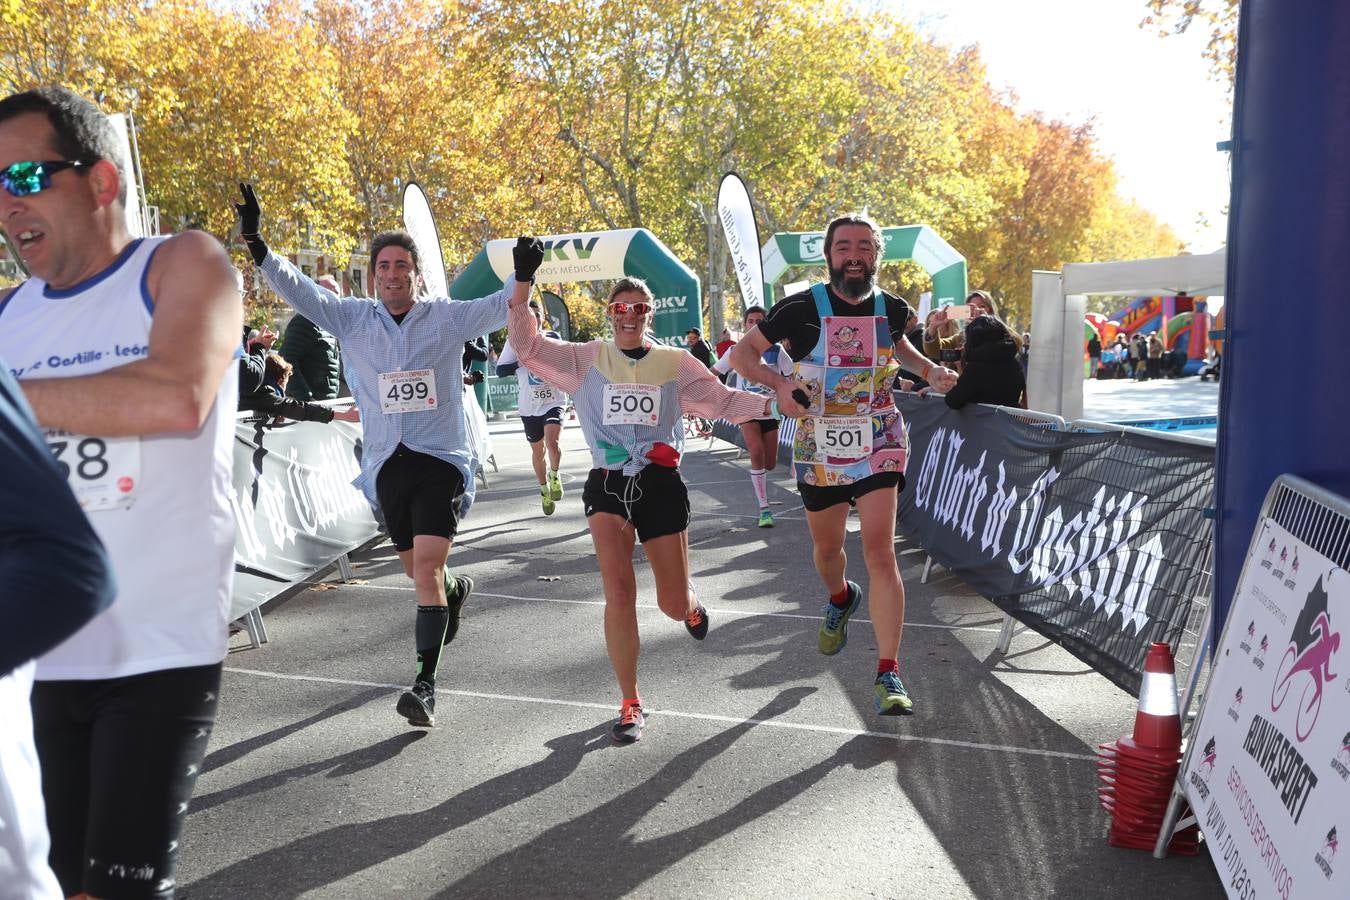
point(294, 505)
point(1096, 540)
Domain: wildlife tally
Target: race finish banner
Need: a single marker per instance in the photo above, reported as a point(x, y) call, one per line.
point(1097, 541)
point(1269, 773)
point(294, 505)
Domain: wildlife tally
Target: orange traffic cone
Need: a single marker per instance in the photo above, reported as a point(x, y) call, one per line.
point(1137, 772)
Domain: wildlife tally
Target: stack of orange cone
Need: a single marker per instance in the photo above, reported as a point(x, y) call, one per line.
point(1138, 772)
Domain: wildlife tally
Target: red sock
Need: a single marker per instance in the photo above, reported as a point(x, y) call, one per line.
point(632, 701)
point(841, 598)
point(888, 665)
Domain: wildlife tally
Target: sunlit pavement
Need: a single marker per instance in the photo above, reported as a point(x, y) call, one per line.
point(763, 771)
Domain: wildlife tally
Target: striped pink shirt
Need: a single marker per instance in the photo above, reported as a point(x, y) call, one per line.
point(564, 365)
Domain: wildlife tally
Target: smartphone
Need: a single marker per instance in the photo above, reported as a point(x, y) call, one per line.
point(958, 311)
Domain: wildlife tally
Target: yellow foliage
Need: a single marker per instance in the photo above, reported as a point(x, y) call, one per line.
point(554, 116)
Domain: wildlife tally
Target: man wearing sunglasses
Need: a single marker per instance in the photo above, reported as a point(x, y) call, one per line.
point(404, 362)
point(850, 447)
point(125, 350)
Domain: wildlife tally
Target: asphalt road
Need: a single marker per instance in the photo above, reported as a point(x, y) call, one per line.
point(763, 771)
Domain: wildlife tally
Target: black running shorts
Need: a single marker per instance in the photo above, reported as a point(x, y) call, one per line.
point(655, 500)
point(765, 425)
point(534, 425)
point(418, 494)
point(119, 758)
point(816, 498)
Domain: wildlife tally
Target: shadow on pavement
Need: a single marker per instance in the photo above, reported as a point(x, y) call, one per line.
point(620, 862)
point(341, 766)
point(319, 859)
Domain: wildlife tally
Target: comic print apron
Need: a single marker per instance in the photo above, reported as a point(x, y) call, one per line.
point(852, 428)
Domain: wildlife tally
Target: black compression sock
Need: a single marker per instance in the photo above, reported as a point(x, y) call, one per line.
point(429, 634)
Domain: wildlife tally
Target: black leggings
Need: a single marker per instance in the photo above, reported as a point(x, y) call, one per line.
point(120, 757)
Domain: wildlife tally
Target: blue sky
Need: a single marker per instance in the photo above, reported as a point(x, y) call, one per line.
point(1157, 112)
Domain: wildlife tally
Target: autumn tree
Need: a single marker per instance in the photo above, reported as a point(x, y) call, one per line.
point(1219, 16)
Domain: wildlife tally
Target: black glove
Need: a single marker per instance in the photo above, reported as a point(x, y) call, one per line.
point(250, 218)
point(528, 254)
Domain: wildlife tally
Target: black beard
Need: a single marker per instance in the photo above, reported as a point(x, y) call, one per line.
point(852, 288)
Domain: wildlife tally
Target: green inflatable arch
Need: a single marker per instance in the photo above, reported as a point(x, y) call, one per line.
point(920, 243)
point(600, 256)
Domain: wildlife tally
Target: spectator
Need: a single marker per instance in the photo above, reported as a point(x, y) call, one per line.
point(1123, 361)
point(252, 364)
point(271, 398)
point(313, 354)
point(694, 339)
point(943, 338)
point(1024, 355)
point(1094, 348)
point(1139, 353)
point(726, 343)
point(1155, 354)
point(990, 372)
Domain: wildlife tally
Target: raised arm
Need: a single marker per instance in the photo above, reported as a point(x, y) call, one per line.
point(321, 306)
point(198, 315)
point(560, 363)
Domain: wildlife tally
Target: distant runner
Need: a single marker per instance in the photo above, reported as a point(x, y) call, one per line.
point(761, 435)
point(540, 407)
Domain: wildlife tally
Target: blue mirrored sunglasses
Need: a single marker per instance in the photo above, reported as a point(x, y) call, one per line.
point(24, 178)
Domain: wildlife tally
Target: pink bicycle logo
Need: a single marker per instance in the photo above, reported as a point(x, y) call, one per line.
point(1311, 648)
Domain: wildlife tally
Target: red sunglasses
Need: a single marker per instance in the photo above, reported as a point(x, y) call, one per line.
point(620, 308)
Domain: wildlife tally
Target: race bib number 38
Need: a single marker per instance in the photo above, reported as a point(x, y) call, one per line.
point(632, 404)
point(844, 437)
point(103, 473)
point(405, 392)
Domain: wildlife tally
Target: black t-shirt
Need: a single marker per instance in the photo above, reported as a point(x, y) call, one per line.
point(796, 319)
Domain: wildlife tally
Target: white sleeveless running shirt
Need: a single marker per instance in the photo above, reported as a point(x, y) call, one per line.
point(160, 503)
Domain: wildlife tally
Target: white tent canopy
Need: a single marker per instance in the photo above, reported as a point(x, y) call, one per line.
point(1195, 275)
point(1058, 301)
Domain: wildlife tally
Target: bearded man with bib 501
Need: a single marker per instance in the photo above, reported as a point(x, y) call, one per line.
point(850, 449)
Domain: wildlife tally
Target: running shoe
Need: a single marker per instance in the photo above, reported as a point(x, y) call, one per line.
point(765, 519)
point(555, 485)
point(892, 698)
point(697, 623)
point(418, 705)
point(457, 590)
point(546, 498)
point(628, 730)
point(834, 630)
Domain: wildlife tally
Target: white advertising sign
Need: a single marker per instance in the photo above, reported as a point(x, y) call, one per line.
point(1269, 773)
point(738, 224)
